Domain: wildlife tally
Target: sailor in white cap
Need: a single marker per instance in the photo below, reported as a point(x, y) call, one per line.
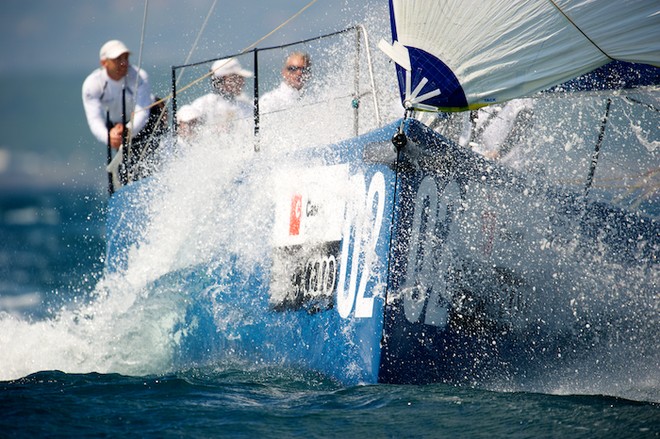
point(102, 93)
point(188, 119)
point(120, 109)
point(296, 72)
point(226, 103)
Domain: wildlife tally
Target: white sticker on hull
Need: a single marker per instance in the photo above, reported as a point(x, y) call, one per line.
point(317, 210)
point(309, 205)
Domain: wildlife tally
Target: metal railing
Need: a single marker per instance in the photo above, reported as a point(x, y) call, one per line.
point(360, 33)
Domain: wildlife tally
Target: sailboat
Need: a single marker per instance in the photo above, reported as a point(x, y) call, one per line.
point(402, 255)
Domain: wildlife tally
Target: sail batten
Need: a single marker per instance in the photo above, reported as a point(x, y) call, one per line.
point(472, 53)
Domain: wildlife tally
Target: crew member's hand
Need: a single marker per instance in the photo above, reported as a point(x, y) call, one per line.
point(116, 133)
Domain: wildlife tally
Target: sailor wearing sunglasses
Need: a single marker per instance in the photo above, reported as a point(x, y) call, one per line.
point(295, 74)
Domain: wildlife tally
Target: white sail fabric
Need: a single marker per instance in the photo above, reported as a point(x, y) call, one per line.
point(464, 54)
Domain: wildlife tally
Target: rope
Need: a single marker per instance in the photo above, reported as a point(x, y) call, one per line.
point(251, 46)
point(129, 175)
point(144, 27)
point(390, 253)
point(199, 34)
point(139, 64)
point(192, 49)
point(637, 101)
point(161, 101)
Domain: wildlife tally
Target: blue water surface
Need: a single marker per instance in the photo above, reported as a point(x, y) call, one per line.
point(271, 402)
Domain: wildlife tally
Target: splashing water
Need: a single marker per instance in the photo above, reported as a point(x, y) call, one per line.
point(210, 206)
point(211, 200)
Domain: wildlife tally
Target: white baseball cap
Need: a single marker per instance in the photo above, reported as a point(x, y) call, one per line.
point(229, 66)
point(187, 113)
point(113, 49)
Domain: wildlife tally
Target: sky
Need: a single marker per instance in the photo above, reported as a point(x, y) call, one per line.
point(62, 37)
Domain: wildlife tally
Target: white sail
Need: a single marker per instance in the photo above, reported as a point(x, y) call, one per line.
point(464, 54)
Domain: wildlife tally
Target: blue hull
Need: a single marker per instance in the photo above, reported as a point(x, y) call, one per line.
point(422, 271)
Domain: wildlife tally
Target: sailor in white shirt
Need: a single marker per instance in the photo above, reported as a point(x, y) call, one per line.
point(226, 104)
point(102, 96)
point(295, 73)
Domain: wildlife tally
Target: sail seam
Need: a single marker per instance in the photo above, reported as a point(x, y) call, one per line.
point(580, 30)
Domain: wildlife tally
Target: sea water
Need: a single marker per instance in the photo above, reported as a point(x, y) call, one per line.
point(272, 402)
point(83, 353)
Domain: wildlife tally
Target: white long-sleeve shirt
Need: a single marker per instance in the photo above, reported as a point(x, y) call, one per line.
point(220, 113)
point(281, 98)
point(101, 94)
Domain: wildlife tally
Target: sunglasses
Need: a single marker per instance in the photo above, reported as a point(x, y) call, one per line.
point(296, 68)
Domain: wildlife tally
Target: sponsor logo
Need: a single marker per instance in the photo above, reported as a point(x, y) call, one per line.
point(319, 276)
point(295, 215)
point(311, 209)
point(333, 273)
point(305, 278)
